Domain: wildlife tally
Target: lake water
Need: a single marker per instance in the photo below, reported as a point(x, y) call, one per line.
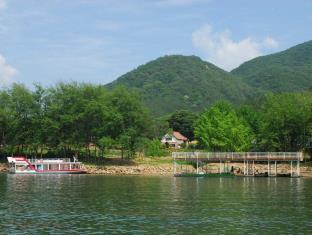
point(88, 204)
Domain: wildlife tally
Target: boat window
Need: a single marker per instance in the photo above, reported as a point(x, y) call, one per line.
point(21, 167)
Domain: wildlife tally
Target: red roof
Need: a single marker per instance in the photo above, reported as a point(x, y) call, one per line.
point(179, 136)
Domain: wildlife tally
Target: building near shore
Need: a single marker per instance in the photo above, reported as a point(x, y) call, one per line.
point(174, 139)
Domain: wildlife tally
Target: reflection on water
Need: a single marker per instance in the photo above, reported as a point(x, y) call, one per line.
point(96, 204)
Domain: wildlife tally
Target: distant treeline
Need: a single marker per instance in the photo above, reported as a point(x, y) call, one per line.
point(83, 119)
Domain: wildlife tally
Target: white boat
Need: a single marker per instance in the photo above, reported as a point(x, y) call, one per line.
point(22, 165)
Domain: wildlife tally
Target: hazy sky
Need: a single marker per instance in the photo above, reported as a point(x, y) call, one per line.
point(48, 41)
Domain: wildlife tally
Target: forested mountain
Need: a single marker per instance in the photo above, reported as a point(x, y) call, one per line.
point(179, 82)
point(289, 70)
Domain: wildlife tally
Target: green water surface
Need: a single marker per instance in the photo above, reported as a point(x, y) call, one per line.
point(87, 204)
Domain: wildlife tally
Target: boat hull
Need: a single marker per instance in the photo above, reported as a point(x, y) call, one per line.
point(49, 172)
point(22, 165)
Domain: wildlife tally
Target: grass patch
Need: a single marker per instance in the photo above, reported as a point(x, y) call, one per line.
point(154, 161)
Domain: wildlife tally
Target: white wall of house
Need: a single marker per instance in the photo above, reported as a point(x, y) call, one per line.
point(171, 140)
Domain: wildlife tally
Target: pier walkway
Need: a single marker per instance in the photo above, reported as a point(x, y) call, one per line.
point(249, 160)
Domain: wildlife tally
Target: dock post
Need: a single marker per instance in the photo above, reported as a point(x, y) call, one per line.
point(196, 163)
point(298, 167)
point(291, 171)
point(244, 167)
point(174, 164)
point(275, 169)
point(253, 167)
point(247, 168)
point(220, 167)
point(268, 167)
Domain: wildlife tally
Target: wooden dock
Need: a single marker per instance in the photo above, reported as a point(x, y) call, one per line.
point(249, 160)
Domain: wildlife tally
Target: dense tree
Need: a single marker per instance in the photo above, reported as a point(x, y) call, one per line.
point(69, 117)
point(220, 129)
point(251, 117)
point(76, 118)
point(286, 122)
point(160, 126)
point(183, 121)
point(5, 117)
point(154, 148)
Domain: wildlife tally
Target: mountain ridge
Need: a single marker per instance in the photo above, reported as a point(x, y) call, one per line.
point(175, 82)
point(183, 82)
point(285, 71)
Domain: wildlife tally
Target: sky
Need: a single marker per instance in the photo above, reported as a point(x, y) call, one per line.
point(50, 41)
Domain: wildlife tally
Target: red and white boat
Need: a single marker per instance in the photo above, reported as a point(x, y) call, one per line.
point(22, 165)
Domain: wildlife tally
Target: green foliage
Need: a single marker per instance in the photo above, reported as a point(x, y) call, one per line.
point(160, 127)
point(253, 119)
point(286, 71)
point(105, 143)
point(68, 117)
point(183, 122)
point(173, 83)
point(220, 129)
point(154, 148)
point(286, 122)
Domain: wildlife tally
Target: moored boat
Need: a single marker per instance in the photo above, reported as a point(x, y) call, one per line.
point(23, 165)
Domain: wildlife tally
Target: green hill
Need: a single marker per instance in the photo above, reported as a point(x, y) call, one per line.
point(177, 82)
point(286, 71)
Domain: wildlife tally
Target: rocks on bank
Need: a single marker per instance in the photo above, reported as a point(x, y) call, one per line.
point(130, 170)
point(4, 167)
point(119, 170)
point(163, 169)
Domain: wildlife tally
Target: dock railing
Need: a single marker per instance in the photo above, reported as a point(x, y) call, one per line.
point(239, 156)
point(247, 158)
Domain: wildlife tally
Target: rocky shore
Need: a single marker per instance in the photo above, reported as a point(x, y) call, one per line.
point(3, 167)
point(167, 169)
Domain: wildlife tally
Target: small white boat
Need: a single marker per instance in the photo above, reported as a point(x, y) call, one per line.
point(22, 165)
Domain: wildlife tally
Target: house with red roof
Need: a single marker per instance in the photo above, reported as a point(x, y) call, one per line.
point(174, 139)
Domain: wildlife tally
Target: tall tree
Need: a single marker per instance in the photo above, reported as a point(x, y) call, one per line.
point(220, 129)
point(286, 122)
point(183, 121)
point(5, 117)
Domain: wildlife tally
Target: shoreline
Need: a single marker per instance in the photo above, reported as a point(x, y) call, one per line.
point(164, 169)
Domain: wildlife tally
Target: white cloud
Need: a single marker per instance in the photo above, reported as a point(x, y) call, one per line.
point(270, 42)
point(6, 72)
point(2, 4)
point(179, 2)
point(223, 51)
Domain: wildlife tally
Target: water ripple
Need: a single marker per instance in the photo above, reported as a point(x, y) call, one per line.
point(86, 204)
